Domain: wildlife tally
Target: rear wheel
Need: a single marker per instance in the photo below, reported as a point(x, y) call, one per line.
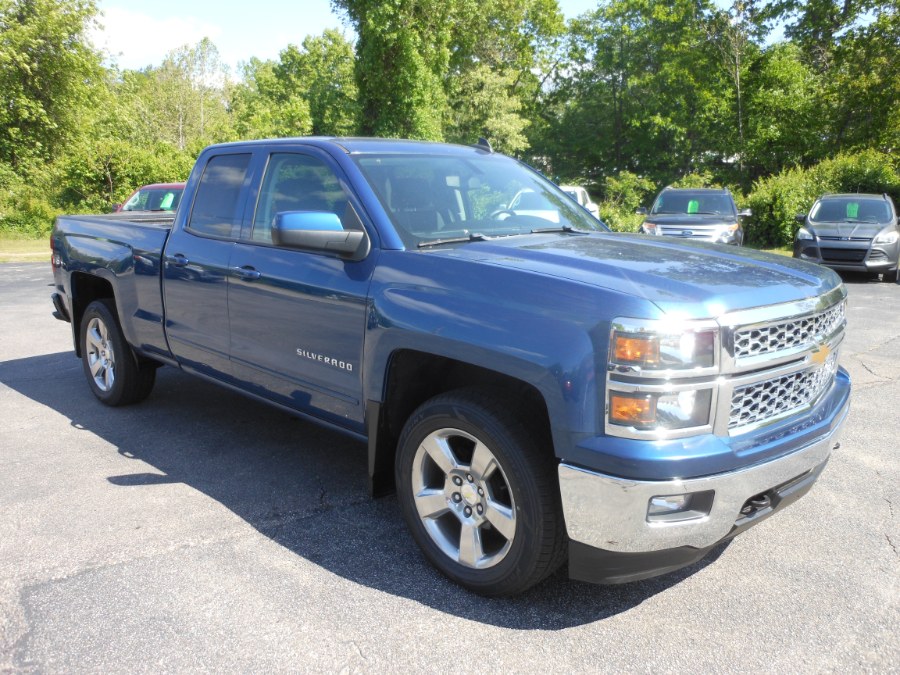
point(478, 495)
point(115, 374)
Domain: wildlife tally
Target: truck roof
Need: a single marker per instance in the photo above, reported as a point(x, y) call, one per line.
point(355, 146)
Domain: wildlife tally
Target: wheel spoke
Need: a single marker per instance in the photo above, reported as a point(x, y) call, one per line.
point(483, 462)
point(96, 367)
point(440, 453)
point(470, 549)
point(94, 339)
point(108, 377)
point(502, 518)
point(431, 503)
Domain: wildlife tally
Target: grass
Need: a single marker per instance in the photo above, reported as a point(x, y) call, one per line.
point(779, 251)
point(19, 248)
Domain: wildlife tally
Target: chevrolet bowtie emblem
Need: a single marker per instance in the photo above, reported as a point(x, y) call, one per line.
point(820, 355)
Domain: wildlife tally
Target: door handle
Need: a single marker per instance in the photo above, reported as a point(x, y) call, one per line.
point(178, 260)
point(246, 273)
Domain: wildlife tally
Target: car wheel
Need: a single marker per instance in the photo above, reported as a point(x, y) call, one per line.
point(114, 373)
point(478, 495)
point(891, 277)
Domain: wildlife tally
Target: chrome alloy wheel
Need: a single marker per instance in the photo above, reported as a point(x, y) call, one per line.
point(100, 354)
point(463, 498)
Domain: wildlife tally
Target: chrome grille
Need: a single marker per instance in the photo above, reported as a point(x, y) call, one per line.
point(788, 334)
point(766, 400)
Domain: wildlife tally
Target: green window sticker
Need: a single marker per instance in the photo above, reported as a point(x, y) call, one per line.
point(852, 209)
point(167, 201)
point(693, 206)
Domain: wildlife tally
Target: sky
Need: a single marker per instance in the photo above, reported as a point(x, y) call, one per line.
point(139, 33)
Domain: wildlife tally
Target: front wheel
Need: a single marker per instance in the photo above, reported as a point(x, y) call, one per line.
point(478, 495)
point(114, 373)
point(891, 277)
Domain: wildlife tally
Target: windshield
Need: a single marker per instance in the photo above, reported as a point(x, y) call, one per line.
point(434, 197)
point(688, 203)
point(154, 199)
point(851, 209)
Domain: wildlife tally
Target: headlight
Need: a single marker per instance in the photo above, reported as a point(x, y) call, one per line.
point(660, 411)
point(651, 228)
point(804, 235)
point(659, 350)
point(887, 238)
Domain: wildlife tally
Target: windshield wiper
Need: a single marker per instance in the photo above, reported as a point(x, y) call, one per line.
point(560, 228)
point(474, 236)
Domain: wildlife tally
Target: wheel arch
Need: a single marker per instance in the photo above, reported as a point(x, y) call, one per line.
point(412, 378)
point(85, 289)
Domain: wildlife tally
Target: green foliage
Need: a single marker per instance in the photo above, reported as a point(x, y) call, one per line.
point(622, 195)
point(776, 200)
point(24, 205)
point(101, 174)
point(48, 72)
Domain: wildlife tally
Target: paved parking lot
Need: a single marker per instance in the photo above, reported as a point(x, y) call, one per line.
point(203, 531)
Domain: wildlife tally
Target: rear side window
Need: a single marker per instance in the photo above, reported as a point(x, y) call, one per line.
point(216, 210)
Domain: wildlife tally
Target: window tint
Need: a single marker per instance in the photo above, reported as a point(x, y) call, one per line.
point(696, 202)
point(296, 182)
point(215, 212)
point(867, 210)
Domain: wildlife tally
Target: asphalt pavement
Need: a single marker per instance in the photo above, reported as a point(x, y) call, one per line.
point(202, 531)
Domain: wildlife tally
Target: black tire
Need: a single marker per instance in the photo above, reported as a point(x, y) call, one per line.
point(114, 373)
point(891, 277)
point(495, 530)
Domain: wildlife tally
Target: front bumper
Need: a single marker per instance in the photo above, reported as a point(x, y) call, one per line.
point(612, 541)
point(848, 256)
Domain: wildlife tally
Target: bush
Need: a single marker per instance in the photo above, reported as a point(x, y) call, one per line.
point(776, 200)
point(25, 207)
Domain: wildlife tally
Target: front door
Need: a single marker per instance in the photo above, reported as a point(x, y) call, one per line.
point(297, 318)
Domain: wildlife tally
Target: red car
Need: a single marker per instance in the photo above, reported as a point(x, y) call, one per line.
point(156, 197)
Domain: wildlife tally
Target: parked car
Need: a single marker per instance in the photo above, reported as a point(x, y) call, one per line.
point(156, 197)
point(580, 195)
point(852, 233)
point(707, 214)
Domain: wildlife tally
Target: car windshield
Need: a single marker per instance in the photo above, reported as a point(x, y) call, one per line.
point(154, 199)
point(836, 209)
point(688, 203)
point(445, 197)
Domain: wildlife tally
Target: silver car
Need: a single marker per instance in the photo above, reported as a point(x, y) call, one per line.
point(851, 233)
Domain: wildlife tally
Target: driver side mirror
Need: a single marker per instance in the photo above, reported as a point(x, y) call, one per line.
point(319, 231)
point(800, 218)
point(640, 211)
point(745, 213)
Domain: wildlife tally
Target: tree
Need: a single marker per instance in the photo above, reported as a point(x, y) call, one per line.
point(48, 71)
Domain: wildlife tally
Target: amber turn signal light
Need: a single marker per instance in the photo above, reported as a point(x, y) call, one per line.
point(632, 410)
point(634, 349)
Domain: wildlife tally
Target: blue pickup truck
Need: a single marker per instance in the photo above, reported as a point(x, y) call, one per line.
point(533, 387)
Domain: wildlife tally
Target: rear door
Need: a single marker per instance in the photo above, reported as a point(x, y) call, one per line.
point(195, 284)
point(298, 318)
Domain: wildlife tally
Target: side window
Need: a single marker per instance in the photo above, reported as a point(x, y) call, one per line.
point(215, 212)
point(296, 182)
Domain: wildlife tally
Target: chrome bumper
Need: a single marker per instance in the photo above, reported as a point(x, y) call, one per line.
point(610, 513)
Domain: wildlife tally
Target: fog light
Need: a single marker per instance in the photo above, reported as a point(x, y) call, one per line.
point(669, 504)
point(678, 508)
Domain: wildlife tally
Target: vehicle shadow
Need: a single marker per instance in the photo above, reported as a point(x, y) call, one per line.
point(302, 486)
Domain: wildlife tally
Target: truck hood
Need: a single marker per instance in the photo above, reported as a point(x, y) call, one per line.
point(692, 279)
point(846, 230)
